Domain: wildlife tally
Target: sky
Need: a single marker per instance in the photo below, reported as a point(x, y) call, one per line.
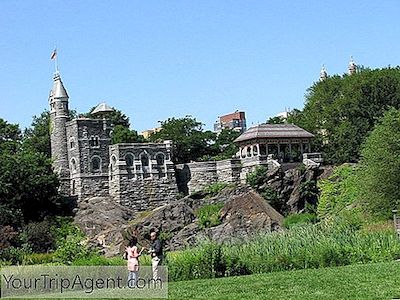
point(205, 58)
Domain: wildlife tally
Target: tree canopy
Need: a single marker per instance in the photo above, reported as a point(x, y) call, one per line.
point(380, 166)
point(28, 186)
point(342, 110)
point(192, 143)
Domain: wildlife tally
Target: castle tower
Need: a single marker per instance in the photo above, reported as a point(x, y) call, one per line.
point(59, 115)
point(352, 66)
point(323, 74)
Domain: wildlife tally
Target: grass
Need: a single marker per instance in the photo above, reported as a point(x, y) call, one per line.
point(304, 247)
point(370, 281)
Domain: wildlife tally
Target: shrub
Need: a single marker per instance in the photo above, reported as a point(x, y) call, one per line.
point(299, 219)
point(258, 177)
point(38, 236)
point(209, 215)
point(38, 258)
point(215, 188)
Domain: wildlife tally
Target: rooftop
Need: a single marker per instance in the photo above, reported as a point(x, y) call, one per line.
point(274, 131)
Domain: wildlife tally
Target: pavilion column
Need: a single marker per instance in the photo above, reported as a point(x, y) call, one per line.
point(301, 150)
point(309, 147)
point(290, 153)
point(251, 151)
point(258, 149)
point(266, 149)
point(240, 152)
point(279, 151)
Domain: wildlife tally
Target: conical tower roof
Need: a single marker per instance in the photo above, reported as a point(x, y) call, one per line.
point(58, 90)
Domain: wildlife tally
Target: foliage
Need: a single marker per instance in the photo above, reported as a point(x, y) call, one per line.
point(275, 120)
point(258, 177)
point(28, 184)
point(190, 142)
point(121, 134)
point(38, 258)
point(338, 191)
point(214, 188)
point(299, 219)
point(312, 246)
point(37, 137)
point(116, 117)
point(342, 110)
point(7, 235)
point(71, 243)
point(380, 166)
point(209, 215)
point(38, 236)
point(309, 193)
point(10, 137)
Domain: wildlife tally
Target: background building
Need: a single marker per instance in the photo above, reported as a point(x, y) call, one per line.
point(235, 121)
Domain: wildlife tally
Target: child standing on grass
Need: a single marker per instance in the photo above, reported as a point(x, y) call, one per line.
point(132, 255)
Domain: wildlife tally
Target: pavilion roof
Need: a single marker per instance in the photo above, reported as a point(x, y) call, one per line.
point(274, 131)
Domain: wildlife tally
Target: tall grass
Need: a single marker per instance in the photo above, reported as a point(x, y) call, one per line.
point(312, 246)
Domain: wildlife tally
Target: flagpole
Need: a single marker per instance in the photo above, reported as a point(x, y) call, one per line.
point(56, 61)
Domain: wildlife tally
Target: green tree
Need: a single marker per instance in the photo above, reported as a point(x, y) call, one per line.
point(116, 117)
point(122, 134)
point(275, 120)
point(190, 142)
point(10, 137)
point(342, 110)
point(380, 166)
point(37, 137)
point(28, 186)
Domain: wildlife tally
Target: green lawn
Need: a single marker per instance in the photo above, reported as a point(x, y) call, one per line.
point(371, 281)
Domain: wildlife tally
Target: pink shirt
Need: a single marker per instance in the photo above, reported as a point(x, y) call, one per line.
point(133, 258)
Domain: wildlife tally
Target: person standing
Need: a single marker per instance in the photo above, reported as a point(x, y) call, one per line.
point(156, 254)
point(133, 255)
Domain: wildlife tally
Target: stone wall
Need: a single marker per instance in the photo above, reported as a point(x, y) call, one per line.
point(142, 175)
point(192, 177)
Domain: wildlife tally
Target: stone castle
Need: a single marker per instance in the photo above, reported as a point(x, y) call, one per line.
point(142, 176)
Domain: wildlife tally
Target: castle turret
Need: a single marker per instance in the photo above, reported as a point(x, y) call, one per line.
point(59, 115)
point(323, 74)
point(352, 66)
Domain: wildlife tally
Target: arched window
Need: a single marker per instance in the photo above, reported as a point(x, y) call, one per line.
point(255, 150)
point(160, 158)
point(73, 165)
point(248, 151)
point(96, 164)
point(71, 143)
point(129, 159)
point(144, 159)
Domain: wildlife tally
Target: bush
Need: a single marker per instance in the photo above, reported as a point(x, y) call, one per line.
point(38, 258)
point(209, 215)
point(38, 236)
point(258, 177)
point(71, 244)
point(298, 219)
point(215, 188)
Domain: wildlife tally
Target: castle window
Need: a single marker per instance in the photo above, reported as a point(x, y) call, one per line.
point(96, 164)
point(160, 158)
point(73, 165)
point(129, 159)
point(94, 141)
point(72, 143)
point(145, 160)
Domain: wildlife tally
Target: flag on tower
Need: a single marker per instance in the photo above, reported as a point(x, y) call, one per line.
point(54, 54)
